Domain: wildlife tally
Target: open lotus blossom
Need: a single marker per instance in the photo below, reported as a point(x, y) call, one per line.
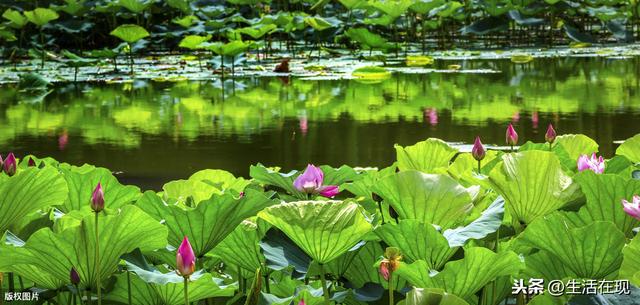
point(10, 164)
point(74, 276)
point(97, 199)
point(478, 151)
point(632, 208)
point(185, 259)
point(550, 136)
point(511, 136)
point(311, 182)
point(595, 163)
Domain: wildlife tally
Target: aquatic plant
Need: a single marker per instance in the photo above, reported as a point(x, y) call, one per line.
point(533, 212)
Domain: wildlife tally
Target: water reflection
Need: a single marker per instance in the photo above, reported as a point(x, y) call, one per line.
point(154, 132)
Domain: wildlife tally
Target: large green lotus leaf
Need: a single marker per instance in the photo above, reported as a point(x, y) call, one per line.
point(604, 194)
point(593, 251)
point(630, 149)
point(488, 223)
point(242, 246)
point(465, 164)
point(202, 185)
point(193, 42)
point(630, 268)
point(317, 23)
point(129, 33)
point(353, 4)
point(135, 6)
point(464, 277)
point(432, 296)
point(153, 287)
point(366, 38)
point(576, 145)
point(18, 21)
point(430, 198)
point(41, 16)
point(323, 229)
point(425, 156)
point(417, 241)
point(532, 184)
point(257, 31)
point(543, 265)
point(393, 8)
point(361, 270)
point(27, 191)
point(56, 253)
point(207, 224)
point(83, 181)
point(26, 271)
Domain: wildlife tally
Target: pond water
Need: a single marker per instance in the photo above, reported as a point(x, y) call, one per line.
point(153, 132)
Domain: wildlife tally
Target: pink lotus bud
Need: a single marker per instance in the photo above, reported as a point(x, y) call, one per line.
point(185, 259)
point(302, 302)
point(97, 199)
point(512, 136)
point(632, 208)
point(384, 270)
point(32, 162)
point(10, 164)
point(478, 151)
point(74, 276)
point(550, 136)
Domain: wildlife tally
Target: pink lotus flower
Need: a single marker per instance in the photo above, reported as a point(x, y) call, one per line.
point(10, 164)
point(63, 140)
point(478, 151)
point(432, 114)
point(596, 164)
point(511, 136)
point(185, 259)
point(97, 199)
point(632, 208)
point(550, 136)
point(311, 182)
point(302, 302)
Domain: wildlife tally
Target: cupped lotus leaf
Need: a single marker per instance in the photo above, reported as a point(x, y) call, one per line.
point(27, 191)
point(432, 296)
point(630, 268)
point(186, 21)
point(135, 6)
point(366, 38)
point(353, 4)
point(129, 33)
point(532, 184)
point(242, 246)
point(41, 16)
point(323, 229)
point(82, 182)
point(593, 251)
point(209, 222)
point(425, 156)
point(417, 241)
point(419, 60)
point(576, 145)
point(393, 8)
point(466, 276)
point(429, 198)
point(604, 195)
point(18, 20)
point(630, 149)
point(121, 233)
point(193, 42)
point(488, 223)
point(152, 287)
point(318, 23)
point(233, 48)
point(257, 31)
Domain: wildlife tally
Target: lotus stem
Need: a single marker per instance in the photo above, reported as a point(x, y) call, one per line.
point(129, 286)
point(12, 287)
point(89, 300)
point(391, 289)
point(186, 291)
point(75, 295)
point(131, 59)
point(325, 290)
point(479, 167)
point(41, 49)
point(381, 213)
point(98, 262)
